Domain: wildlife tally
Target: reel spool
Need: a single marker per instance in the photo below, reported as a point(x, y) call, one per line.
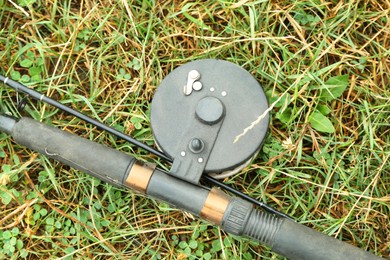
point(198, 111)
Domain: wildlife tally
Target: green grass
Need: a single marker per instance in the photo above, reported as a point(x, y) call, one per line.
point(318, 59)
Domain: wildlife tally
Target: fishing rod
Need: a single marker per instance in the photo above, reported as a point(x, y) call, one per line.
point(197, 112)
point(39, 96)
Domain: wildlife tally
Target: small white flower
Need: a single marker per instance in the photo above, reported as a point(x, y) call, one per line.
point(4, 179)
point(288, 145)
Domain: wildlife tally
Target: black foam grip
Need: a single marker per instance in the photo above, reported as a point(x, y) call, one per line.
point(286, 237)
point(95, 159)
point(262, 226)
point(300, 242)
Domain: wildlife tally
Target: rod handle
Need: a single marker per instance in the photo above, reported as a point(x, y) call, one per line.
point(286, 237)
point(100, 161)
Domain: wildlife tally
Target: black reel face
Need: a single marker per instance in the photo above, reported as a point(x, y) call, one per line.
point(201, 107)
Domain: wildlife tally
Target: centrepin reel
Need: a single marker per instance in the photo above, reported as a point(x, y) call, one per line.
point(198, 112)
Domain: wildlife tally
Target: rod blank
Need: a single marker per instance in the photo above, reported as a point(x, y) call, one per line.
point(38, 96)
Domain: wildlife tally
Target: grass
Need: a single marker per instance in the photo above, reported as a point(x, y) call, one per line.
point(318, 61)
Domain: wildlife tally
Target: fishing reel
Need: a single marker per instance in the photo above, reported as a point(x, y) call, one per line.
point(199, 113)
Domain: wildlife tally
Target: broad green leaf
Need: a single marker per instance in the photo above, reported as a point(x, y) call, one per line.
point(183, 244)
point(69, 250)
point(226, 242)
point(6, 168)
point(19, 244)
point(207, 256)
point(5, 198)
point(193, 244)
point(50, 221)
point(36, 78)
point(285, 116)
point(216, 246)
point(323, 109)
point(333, 87)
point(26, 63)
point(30, 54)
point(15, 75)
point(16, 159)
point(23, 253)
point(12, 241)
point(26, 2)
point(15, 231)
point(7, 234)
point(25, 78)
point(34, 71)
point(136, 64)
point(321, 123)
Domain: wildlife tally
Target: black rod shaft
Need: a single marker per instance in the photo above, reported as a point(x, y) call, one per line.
point(38, 96)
